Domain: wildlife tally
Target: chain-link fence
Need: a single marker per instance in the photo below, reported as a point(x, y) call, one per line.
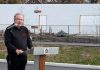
point(84, 30)
point(65, 33)
point(61, 33)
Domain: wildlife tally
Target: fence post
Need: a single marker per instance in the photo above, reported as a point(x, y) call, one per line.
point(68, 30)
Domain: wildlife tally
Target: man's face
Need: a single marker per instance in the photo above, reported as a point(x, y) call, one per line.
point(19, 20)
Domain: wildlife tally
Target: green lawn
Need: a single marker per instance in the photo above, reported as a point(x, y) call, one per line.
point(77, 55)
point(69, 54)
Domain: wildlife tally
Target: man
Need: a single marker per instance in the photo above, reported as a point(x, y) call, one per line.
point(17, 40)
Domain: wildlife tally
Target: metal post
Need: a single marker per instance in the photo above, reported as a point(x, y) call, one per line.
point(68, 30)
point(68, 33)
point(80, 24)
point(39, 62)
point(36, 62)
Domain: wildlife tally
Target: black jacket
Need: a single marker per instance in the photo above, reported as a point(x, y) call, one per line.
point(17, 39)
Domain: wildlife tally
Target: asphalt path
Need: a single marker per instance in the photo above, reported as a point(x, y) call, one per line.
point(55, 66)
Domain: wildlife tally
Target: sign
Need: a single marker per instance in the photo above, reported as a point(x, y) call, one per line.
point(45, 50)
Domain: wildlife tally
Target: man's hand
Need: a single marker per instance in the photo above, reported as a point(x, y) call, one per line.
point(19, 51)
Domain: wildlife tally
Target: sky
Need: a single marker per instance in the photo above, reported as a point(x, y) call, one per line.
point(57, 14)
point(66, 14)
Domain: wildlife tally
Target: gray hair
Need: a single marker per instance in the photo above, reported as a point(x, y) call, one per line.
point(17, 15)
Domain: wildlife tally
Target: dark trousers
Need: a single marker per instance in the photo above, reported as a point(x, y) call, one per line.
point(17, 62)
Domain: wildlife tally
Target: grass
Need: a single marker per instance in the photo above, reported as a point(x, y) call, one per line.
point(3, 52)
point(77, 55)
point(68, 54)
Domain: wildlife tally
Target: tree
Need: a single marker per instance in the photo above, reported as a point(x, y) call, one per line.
point(3, 1)
point(11, 1)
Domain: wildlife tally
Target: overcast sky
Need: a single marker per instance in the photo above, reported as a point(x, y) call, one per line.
point(57, 14)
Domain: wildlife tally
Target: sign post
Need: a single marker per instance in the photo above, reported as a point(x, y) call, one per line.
point(40, 56)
